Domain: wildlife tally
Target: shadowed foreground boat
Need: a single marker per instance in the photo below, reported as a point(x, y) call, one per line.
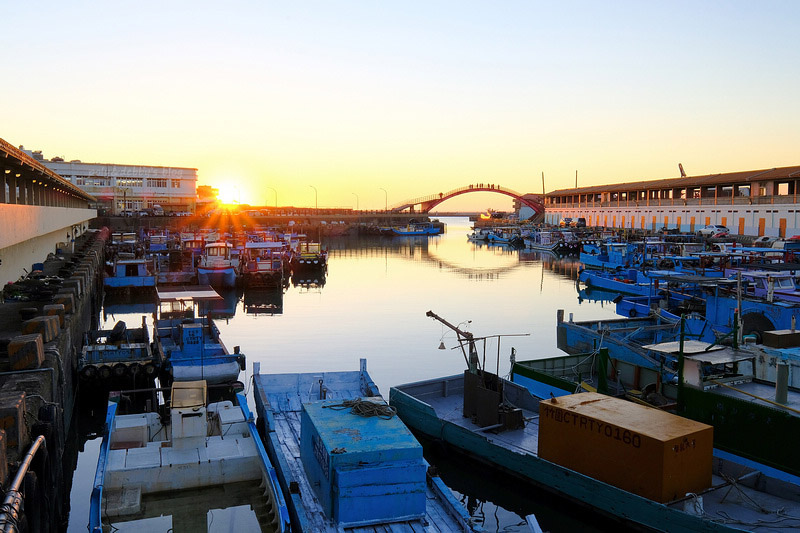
point(344, 472)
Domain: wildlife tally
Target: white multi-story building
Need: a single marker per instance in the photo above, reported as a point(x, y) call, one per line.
point(118, 188)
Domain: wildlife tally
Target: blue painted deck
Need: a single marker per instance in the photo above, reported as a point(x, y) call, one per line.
point(280, 400)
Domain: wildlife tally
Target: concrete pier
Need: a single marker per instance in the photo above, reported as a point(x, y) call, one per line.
point(41, 335)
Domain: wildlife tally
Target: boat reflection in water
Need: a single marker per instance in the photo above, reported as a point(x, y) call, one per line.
point(263, 301)
point(310, 280)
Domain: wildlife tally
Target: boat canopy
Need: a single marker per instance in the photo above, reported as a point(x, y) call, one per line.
point(182, 294)
point(689, 347)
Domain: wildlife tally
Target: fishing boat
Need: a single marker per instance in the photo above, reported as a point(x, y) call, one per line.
point(129, 274)
point(119, 355)
point(550, 241)
point(217, 267)
point(309, 255)
point(188, 340)
point(732, 387)
point(416, 229)
point(658, 471)
point(182, 463)
point(345, 462)
point(262, 264)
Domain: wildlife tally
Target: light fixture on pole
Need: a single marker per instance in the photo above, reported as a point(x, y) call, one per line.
point(385, 199)
point(316, 204)
point(354, 194)
point(442, 346)
point(276, 195)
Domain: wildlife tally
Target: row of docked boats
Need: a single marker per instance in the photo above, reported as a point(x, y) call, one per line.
point(174, 454)
point(625, 448)
point(667, 443)
point(255, 259)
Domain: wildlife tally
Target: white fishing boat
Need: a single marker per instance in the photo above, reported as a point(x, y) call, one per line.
point(164, 461)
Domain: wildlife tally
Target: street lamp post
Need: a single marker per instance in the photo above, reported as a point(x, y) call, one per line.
point(385, 199)
point(316, 204)
point(354, 194)
point(276, 195)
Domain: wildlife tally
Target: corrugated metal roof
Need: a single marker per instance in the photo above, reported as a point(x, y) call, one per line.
point(746, 176)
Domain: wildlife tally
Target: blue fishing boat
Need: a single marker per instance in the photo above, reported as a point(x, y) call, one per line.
point(677, 484)
point(345, 462)
point(182, 463)
point(189, 341)
point(130, 274)
point(416, 229)
point(749, 394)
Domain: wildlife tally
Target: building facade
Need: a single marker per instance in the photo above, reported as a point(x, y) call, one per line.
point(119, 188)
point(755, 202)
point(40, 212)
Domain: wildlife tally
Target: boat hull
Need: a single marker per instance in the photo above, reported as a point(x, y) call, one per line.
point(602, 497)
point(217, 277)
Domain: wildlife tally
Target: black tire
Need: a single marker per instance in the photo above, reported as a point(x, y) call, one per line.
point(756, 324)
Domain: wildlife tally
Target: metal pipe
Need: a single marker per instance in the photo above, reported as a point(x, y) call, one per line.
point(9, 514)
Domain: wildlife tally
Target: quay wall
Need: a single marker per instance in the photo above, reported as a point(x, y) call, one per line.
point(40, 344)
point(775, 220)
point(28, 233)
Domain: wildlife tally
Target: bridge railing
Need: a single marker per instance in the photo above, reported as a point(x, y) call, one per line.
point(453, 192)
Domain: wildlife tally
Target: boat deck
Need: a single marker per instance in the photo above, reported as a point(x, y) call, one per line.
point(286, 394)
point(739, 496)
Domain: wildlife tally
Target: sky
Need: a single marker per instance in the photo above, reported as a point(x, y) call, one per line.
point(330, 103)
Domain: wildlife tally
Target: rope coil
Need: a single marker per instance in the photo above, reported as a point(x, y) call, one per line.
point(365, 408)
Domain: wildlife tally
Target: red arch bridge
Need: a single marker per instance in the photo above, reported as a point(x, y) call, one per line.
point(425, 203)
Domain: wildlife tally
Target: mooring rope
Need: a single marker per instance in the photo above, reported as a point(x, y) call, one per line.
point(365, 408)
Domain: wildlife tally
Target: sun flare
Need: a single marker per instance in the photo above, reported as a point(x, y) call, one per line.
point(228, 194)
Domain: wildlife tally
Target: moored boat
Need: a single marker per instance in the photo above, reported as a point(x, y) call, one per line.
point(189, 342)
point(161, 468)
point(217, 267)
point(369, 477)
point(129, 274)
point(659, 471)
point(120, 355)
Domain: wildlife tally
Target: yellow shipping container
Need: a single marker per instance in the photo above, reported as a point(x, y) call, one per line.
point(636, 448)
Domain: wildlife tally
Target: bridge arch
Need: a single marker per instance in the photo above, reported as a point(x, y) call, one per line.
point(426, 203)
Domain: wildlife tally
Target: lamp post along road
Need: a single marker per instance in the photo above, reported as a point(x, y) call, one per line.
point(385, 199)
point(276, 195)
point(316, 204)
point(354, 194)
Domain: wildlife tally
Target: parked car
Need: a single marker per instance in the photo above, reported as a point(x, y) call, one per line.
point(126, 213)
point(765, 241)
point(713, 230)
point(580, 223)
point(565, 222)
point(142, 213)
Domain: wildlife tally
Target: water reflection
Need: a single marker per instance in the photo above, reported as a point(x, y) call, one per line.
point(263, 301)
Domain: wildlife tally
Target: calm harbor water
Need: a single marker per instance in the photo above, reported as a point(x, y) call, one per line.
point(372, 305)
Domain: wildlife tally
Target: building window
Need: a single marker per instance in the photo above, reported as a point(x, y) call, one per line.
point(176, 184)
point(157, 182)
point(130, 182)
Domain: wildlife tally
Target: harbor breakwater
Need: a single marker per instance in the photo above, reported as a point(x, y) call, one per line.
point(42, 324)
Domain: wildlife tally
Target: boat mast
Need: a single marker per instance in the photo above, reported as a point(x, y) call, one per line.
point(472, 361)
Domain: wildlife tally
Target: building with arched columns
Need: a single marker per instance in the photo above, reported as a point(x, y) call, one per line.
point(39, 212)
point(752, 202)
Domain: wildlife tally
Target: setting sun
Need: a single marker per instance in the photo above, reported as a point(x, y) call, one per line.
point(228, 194)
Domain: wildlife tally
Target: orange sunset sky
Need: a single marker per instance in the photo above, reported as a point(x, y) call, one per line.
point(272, 99)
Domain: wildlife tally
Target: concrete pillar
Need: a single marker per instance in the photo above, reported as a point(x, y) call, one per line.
point(12, 188)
